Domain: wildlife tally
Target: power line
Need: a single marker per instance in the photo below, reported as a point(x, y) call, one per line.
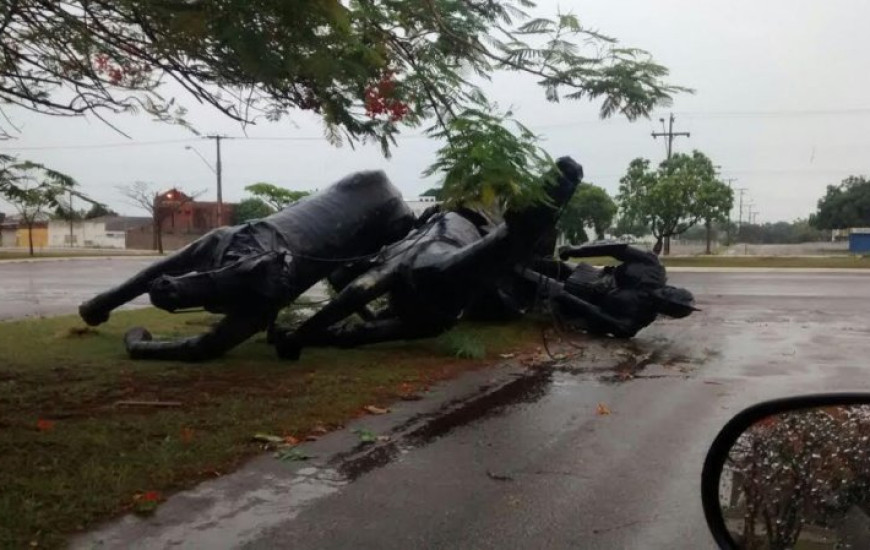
point(100, 145)
point(567, 124)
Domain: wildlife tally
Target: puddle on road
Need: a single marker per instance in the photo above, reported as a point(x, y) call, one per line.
point(526, 388)
point(609, 362)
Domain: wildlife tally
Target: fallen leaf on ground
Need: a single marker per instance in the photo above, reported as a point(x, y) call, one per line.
point(383, 438)
point(507, 355)
point(44, 425)
point(498, 477)
point(268, 438)
point(290, 440)
point(319, 430)
point(145, 503)
point(372, 409)
point(291, 455)
point(365, 435)
point(602, 410)
point(186, 435)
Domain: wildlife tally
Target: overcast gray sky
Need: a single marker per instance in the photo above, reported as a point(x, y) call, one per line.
point(781, 105)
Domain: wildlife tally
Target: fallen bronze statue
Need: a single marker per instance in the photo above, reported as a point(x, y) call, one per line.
point(430, 276)
point(617, 300)
point(359, 235)
point(252, 271)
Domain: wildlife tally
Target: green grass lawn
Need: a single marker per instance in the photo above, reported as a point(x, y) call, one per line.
point(70, 457)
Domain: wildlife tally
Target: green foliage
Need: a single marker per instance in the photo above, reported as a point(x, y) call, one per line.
point(798, 231)
point(483, 163)
point(261, 59)
point(844, 205)
point(99, 210)
point(590, 206)
point(680, 193)
point(251, 209)
point(627, 226)
point(32, 189)
point(463, 345)
point(274, 196)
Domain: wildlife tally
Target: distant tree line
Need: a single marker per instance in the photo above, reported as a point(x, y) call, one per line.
point(844, 205)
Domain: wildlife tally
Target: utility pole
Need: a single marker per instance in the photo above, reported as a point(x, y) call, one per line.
point(71, 219)
point(729, 181)
point(740, 190)
point(220, 200)
point(669, 134)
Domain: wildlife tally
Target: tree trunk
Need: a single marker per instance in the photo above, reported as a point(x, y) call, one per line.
point(657, 249)
point(708, 224)
point(668, 245)
point(157, 237)
point(30, 236)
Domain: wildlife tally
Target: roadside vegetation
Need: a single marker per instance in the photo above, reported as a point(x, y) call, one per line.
point(89, 434)
point(826, 262)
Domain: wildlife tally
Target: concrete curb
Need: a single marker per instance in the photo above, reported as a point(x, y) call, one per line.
point(79, 258)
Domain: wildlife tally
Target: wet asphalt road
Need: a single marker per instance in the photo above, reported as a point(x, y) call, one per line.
point(57, 287)
point(549, 472)
point(538, 467)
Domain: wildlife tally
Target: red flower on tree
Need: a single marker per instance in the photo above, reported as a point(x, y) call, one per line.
point(380, 99)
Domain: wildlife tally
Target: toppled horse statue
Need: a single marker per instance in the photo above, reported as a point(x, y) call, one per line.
point(251, 271)
point(617, 300)
point(432, 274)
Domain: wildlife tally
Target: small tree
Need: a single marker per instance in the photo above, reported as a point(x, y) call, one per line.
point(275, 196)
point(590, 206)
point(715, 200)
point(143, 195)
point(251, 209)
point(32, 189)
point(483, 163)
point(673, 198)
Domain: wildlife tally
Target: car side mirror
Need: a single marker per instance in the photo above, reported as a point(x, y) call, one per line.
point(792, 473)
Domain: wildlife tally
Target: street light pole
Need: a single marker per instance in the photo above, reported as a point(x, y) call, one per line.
point(220, 201)
point(217, 172)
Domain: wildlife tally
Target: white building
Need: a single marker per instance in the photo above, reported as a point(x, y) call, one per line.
point(102, 232)
point(419, 204)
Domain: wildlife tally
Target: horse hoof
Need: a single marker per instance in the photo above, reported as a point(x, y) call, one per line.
point(92, 315)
